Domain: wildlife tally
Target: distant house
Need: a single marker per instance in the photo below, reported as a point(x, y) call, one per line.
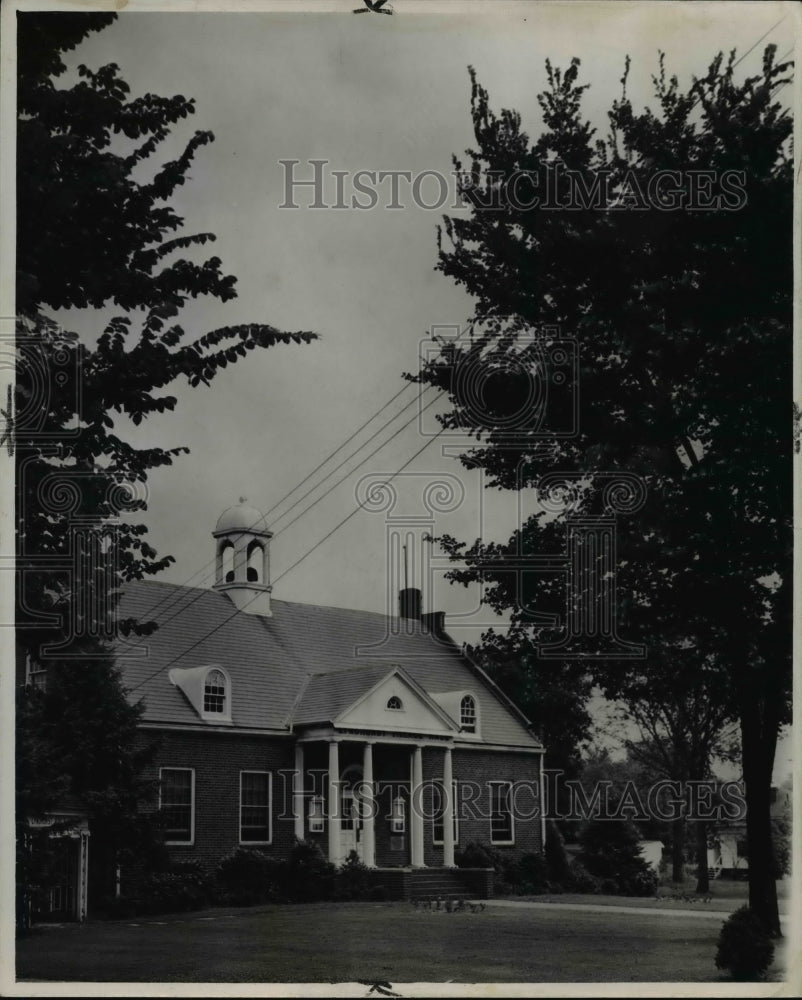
point(280, 720)
point(727, 854)
point(652, 853)
point(727, 857)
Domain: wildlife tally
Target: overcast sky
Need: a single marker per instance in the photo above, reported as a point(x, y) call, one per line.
point(363, 92)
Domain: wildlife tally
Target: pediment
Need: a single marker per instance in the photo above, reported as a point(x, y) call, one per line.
point(418, 712)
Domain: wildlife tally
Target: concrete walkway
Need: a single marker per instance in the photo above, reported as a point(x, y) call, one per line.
point(702, 912)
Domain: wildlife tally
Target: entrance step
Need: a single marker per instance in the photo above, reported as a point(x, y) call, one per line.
point(448, 883)
point(421, 884)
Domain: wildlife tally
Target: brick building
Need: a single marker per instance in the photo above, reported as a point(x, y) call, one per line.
point(279, 720)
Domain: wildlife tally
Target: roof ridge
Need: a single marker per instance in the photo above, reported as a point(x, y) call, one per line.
point(296, 604)
point(351, 670)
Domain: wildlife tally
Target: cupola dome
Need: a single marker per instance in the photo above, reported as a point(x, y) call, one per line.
point(243, 558)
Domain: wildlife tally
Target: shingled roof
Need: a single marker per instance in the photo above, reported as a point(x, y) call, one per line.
point(272, 661)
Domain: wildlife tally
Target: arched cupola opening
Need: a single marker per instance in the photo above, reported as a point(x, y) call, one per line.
point(227, 557)
point(255, 564)
point(243, 565)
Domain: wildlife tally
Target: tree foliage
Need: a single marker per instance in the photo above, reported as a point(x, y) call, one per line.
point(682, 317)
point(96, 230)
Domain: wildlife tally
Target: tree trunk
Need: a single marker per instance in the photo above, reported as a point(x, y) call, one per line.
point(678, 850)
point(702, 876)
point(758, 744)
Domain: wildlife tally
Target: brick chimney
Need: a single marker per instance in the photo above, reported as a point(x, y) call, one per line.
point(434, 622)
point(410, 603)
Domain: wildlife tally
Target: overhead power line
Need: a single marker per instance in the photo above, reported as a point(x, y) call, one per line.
point(202, 575)
point(317, 545)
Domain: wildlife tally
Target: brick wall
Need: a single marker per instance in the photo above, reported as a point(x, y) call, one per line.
point(481, 767)
point(218, 759)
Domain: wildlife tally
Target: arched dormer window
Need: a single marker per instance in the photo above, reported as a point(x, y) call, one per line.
point(227, 557)
point(467, 713)
point(255, 564)
point(215, 693)
point(395, 704)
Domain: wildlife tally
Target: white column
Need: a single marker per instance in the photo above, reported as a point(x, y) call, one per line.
point(298, 791)
point(333, 804)
point(448, 811)
point(368, 803)
point(416, 810)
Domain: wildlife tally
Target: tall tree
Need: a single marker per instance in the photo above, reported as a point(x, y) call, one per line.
point(670, 262)
point(682, 724)
point(96, 230)
point(553, 697)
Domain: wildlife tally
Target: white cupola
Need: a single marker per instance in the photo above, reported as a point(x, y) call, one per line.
point(243, 558)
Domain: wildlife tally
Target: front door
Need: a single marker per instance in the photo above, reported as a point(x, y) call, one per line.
point(350, 813)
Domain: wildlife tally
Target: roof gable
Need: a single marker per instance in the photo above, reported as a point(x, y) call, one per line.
point(416, 711)
point(277, 664)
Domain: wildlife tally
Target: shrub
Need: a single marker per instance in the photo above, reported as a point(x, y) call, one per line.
point(378, 894)
point(533, 874)
point(611, 850)
point(640, 883)
point(307, 876)
point(353, 881)
point(555, 854)
point(580, 879)
point(173, 892)
point(745, 947)
point(475, 855)
point(118, 907)
point(610, 887)
point(245, 877)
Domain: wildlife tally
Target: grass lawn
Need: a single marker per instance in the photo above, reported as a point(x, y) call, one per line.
point(724, 895)
point(347, 942)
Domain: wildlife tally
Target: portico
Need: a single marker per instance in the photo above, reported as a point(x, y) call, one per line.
point(358, 782)
point(370, 796)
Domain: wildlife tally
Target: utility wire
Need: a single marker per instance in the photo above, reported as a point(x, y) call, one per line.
point(183, 607)
point(203, 574)
point(350, 472)
point(317, 544)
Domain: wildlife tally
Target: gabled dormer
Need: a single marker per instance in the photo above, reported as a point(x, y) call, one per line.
point(207, 689)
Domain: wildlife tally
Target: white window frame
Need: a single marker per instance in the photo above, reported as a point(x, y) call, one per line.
point(225, 715)
point(455, 798)
point(400, 700)
point(493, 839)
point(317, 822)
point(250, 843)
point(191, 841)
point(398, 815)
point(474, 699)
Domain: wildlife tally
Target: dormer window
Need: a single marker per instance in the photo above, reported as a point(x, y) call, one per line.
point(395, 704)
point(467, 714)
point(207, 689)
point(214, 692)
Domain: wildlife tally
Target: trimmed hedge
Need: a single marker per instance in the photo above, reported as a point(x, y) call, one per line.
point(745, 948)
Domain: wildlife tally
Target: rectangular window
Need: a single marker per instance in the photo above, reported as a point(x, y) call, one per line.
point(501, 830)
point(35, 674)
point(437, 821)
point(254, 807)
point(177, 804)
